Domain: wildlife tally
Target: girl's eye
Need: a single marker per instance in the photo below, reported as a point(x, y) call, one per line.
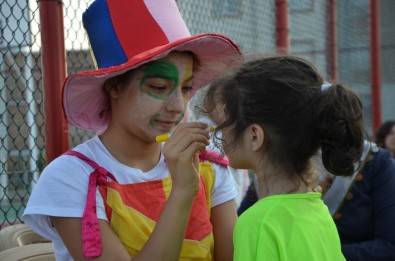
point(187, 89)
point(158, 87)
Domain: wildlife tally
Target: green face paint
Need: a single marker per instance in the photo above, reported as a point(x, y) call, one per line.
point(152, 121)
point(160, 79)
point(180, 119)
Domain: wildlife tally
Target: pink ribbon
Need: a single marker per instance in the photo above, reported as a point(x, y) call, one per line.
point(91, 239)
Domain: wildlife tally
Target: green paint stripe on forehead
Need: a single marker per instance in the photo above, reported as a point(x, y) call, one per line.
point(162, 69)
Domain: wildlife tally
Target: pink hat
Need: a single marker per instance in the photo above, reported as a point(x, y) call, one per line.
point(125, 34)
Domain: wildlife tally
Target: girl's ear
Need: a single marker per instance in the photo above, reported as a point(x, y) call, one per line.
point(257, 136)
point(111, 89)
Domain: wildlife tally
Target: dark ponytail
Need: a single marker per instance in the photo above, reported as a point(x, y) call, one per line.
point(339, 118)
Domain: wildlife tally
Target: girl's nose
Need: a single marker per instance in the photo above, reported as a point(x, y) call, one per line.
point(176, 102)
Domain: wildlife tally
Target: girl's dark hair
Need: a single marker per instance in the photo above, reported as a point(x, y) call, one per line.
point(383, 132)
point(283, 95)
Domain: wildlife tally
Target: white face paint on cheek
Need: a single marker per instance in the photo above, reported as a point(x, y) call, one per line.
point(148, 109)
point(137, 108)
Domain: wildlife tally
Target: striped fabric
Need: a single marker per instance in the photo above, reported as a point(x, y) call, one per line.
point(133, 210)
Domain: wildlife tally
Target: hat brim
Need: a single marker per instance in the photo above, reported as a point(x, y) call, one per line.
point(84, 100)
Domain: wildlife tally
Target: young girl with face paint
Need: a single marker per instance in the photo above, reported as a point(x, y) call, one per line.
point(121, 195)
point(274, 114)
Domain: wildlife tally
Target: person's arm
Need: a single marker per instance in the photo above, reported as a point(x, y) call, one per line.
point(181, 155)
point(223, 218)
point(382, 247)
point(70, 231)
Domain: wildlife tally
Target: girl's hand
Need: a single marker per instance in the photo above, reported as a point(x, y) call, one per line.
point(181, 152)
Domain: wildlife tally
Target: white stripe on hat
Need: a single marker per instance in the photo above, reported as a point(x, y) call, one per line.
point(169, 18)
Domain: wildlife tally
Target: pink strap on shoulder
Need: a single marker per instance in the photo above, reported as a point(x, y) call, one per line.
point(214, 157)
point(91, 239)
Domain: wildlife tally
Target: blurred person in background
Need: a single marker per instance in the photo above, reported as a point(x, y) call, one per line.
point(385, 136)
point(363, 207)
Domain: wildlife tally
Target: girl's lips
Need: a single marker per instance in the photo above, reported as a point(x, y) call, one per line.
point(166, 125)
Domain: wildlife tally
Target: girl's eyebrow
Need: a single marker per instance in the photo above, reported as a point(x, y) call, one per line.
point(189, 78)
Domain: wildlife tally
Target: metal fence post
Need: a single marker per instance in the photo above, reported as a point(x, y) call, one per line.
point(375, 63)
point(331, 44)
point(54, 74)
point(282, 27)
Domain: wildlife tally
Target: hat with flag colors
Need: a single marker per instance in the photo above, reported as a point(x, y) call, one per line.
point(125, 34)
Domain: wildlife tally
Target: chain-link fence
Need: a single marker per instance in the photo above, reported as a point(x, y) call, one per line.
point(21, 117)
point(250, 23)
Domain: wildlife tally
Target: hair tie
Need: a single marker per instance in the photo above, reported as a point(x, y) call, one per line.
point(325, 86)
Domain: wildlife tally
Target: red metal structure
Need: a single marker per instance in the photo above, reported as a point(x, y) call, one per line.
point(54, 73)
point(332, 41)
point(375, 63)
point(282, 27)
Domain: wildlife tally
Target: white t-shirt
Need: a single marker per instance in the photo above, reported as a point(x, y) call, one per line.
point(63, 185)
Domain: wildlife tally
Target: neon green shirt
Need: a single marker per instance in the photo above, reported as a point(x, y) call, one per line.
point(288, 227)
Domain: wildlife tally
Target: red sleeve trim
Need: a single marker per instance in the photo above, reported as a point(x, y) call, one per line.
point(214, 157)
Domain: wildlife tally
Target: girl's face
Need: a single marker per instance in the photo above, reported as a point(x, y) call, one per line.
point(155, 97)
point(389, 141)
point(237, 154)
